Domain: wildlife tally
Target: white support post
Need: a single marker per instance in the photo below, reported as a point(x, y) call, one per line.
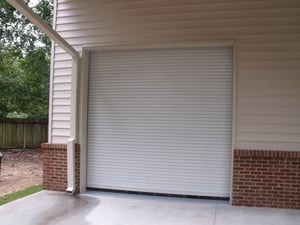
point(74, 84)
point(73, 131)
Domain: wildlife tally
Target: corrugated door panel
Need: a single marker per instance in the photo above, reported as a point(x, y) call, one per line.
point(160, 120)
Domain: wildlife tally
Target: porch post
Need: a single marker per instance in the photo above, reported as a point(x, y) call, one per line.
point(71, 188)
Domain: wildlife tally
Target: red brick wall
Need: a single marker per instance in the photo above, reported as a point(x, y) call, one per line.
point(55, 167)
point(266, 179)
point(260, 178)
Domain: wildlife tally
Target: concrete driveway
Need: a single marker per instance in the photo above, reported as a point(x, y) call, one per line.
point(100, 208)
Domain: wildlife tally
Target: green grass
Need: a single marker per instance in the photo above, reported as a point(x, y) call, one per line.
point(20, 194)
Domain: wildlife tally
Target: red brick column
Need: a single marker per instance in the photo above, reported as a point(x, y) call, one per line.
point(55, 167)
point(266, 179)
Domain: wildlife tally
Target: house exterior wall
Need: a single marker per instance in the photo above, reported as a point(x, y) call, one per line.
point(266, 35)
point(267, 38)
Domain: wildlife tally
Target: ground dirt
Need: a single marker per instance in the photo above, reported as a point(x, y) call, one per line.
point(20, 169)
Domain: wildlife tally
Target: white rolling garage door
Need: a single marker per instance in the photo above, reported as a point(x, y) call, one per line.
point(160, 120)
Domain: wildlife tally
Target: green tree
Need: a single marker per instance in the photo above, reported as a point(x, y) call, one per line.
point(11, 82)
point(24, 62)
point(35, 67)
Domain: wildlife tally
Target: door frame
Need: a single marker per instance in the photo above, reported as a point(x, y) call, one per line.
point(83, 95)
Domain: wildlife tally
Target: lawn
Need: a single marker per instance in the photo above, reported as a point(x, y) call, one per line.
point(20, 194)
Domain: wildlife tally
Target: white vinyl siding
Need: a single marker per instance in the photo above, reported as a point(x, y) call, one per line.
point(267, 38)
point(160, 120)
point(268, 93)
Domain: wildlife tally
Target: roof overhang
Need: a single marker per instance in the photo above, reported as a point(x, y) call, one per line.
point(21, 6)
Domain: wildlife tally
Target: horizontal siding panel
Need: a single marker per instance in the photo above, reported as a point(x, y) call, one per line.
point(166, 7)
point(166, 36)
point(280, 101)
point(286, 81)
point(59, 50)
point(271, 137)
point(61, 132)
point(61, 117)
point(117, 40)
point(270, 47)
point(63, 64)
point(61, 55)
point(61, 109)
point(269, 110)
point(272, 93)
point(62, 101)
point(66, 23)
point(259, 40)
point(269, 128)
point(62, 79)
point(275, 84)
point(187, 24)
point(285, 56)
point(256, 66)
point(272, 39)
point(268, 74)
point(263, 145)
point(267, 119)
point(167, 32)
point(61, 86)
point(58, 124)
point(62, 72)
point(59, 139)
point(62, 94)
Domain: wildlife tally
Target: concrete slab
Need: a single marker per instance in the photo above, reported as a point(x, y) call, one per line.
point(234, 215)
point(54, 208)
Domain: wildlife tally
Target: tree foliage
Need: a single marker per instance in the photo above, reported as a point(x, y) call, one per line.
point(24, 62)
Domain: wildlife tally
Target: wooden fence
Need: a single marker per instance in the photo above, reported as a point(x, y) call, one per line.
point(23, 133)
